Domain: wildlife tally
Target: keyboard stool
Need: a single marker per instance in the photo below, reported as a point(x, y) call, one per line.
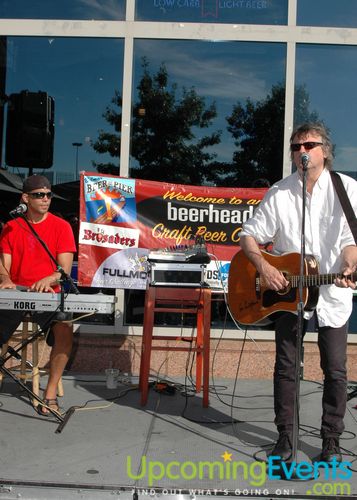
point(29, 370)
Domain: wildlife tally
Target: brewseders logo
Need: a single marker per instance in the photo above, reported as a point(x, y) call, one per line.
point(101, 235)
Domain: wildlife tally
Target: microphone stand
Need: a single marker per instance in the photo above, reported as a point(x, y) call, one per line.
point(300, 327)
point(65, 278)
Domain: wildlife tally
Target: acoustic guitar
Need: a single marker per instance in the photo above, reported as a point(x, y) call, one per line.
point(251, 302)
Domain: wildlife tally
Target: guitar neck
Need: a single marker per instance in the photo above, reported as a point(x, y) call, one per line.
point(318, 279)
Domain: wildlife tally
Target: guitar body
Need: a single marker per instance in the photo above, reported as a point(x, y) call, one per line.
point(250, 302)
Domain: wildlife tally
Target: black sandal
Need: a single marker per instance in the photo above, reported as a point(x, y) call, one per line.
point(48, 403)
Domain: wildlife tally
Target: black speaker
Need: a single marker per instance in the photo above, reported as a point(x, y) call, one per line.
point(30, 130)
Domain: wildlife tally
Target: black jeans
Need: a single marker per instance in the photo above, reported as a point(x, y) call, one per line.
point(332, 344)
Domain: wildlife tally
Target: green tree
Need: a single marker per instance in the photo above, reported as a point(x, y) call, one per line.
point(109, 142)
point(168, 143)
point(258, 131)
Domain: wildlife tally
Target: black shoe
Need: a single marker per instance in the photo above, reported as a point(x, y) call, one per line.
point(331, 450)
point(283, 447)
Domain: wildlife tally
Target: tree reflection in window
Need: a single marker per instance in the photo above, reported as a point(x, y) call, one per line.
point(168, 141)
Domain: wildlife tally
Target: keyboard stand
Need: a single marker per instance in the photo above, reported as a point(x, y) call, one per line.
point(14, 353)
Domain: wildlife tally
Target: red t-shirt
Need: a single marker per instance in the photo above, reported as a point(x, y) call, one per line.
point(30, 261)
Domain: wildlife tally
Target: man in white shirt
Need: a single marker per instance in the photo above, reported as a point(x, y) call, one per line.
point(328, 237)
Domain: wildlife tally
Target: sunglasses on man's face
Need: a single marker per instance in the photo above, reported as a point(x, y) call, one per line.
point(40, 195)
point(307, 145)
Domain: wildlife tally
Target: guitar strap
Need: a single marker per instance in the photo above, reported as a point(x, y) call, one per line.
point(345, 202)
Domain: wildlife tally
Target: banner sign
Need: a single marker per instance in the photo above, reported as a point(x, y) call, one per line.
point(122, 219)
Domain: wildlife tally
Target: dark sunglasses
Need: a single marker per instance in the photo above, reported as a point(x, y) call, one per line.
point(40, 195)
point(307, 145)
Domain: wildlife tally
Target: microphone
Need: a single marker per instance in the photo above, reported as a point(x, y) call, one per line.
point(21, 209)
point(305, 158)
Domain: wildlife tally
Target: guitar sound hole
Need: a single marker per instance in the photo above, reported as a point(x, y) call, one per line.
point(284, 291)
point(270, 297)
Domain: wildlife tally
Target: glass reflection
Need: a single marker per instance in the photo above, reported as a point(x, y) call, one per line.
point(336, 105)
point(65, 9)
point(214, 11)
point(217, 84)
point(327, 13)
point(81, 76)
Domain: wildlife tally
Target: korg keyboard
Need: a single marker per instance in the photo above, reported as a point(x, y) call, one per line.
point(32, 301)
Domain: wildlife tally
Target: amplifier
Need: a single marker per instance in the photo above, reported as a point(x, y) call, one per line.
point(176, 274)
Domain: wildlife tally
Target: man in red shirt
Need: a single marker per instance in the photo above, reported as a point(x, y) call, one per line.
point(24, 261)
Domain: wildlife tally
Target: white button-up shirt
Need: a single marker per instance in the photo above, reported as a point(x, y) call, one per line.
point(327, 233)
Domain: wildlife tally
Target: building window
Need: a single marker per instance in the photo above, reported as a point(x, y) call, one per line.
point(189, 99)
point(213, 11)
point(64, 9)
point(331, 68)
point(81, 75)
point(327, 13)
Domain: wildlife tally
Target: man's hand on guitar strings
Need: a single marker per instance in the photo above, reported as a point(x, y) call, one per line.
point(272, 278)
point(346, 282)
point(348, 277)
point(348, 268)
